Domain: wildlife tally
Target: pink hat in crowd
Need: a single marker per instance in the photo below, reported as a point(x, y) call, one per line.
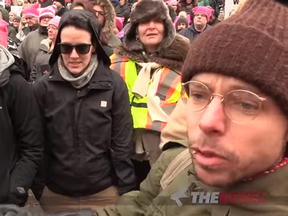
point(31, 11)
point(55, 21)
point(3, 33)
point(203, 10)
point(171, 2)
point(119, 23)
point(47, 11)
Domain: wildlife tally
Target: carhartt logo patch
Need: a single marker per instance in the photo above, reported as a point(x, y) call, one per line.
point(21, 190)
point(103, 104)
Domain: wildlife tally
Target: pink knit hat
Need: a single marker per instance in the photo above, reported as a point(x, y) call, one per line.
point(31, 11)
point(55, 21)
point(203, 10)
point(3, 33)
point(47, 11)
point(119, 23)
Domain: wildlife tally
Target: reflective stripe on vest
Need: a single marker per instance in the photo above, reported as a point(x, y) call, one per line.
point(169, 92)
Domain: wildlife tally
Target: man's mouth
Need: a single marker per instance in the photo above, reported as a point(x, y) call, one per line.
point(207, 157)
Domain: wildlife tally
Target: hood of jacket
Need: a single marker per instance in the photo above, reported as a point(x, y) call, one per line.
point(110, 15)
point(6, 59)
point(83, 16)
point(172, 56)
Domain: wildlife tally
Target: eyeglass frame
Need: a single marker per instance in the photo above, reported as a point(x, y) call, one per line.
point(74, 47)
point(213, 94)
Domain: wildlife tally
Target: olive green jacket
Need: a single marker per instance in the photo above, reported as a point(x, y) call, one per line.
point(151, 200)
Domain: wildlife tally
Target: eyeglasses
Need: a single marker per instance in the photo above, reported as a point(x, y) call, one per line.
point(201, 15)
point(66, 48)
point(241, 106)
point(54, 28)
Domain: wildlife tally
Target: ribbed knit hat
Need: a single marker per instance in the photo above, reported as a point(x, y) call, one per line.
point(32, 11)
point(251, 45)
point(47, 11)
point(55, 21)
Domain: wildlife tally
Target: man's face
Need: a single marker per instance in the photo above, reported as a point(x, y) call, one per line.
point(200, 19)
point(225, 152)
point(122, 2)
point(31, 21)
point(7, 4)
point(99, 14)
point(76, 62)
point(181, 26)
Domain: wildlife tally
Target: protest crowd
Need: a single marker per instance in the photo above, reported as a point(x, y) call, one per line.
point(130, 108)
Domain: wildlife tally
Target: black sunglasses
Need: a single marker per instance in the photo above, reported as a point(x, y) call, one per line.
point(66, 48)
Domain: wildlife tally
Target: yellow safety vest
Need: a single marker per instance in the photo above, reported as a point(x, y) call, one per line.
point(169, 91)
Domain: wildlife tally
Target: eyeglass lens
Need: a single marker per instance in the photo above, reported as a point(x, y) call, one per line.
point(239, 105)
point(80, 48)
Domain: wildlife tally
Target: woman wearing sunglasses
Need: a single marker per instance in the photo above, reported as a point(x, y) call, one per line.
point(86, 113)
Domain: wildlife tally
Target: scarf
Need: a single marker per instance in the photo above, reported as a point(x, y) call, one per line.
point(84, 78)
point(141, 85)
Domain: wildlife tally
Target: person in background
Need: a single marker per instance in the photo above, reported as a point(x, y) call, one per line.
point(106, 15)
point(61, 7)
point(30, 46)
point(11, 17)
point(123, 9)
point(5, 16)
point(21, 131)
point(119, 28)
point(182, 22)
point(41, 65)
point(31, 15)
point(16, 23)
point(88, 138)
point(187, 5)
point(87, 5)
point(8, 5)
point(149, 60)
point(20, 3)
point(201, 17)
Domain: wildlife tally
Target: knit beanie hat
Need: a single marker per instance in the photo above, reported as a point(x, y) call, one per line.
point(144, 11)
point(3, 33)
point(251, 46)
point(47, 11)
point(55, 21)
point(62, 2)
point(203, 10)
point(181, 19)
point(32, 11)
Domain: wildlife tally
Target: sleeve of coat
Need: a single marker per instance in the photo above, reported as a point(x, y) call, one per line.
point(28, 132)
point(136, 203)
point(121, 140)
point(176, 128)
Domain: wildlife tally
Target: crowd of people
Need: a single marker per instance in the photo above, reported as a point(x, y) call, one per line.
point(116, 106)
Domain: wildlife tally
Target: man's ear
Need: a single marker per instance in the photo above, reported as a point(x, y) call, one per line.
point(94, 46)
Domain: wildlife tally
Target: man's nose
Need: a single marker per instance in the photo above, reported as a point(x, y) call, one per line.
point(214, 118)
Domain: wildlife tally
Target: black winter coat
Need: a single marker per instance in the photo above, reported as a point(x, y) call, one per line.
point(191, 33)
point(88, 133)
point(21, 145)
